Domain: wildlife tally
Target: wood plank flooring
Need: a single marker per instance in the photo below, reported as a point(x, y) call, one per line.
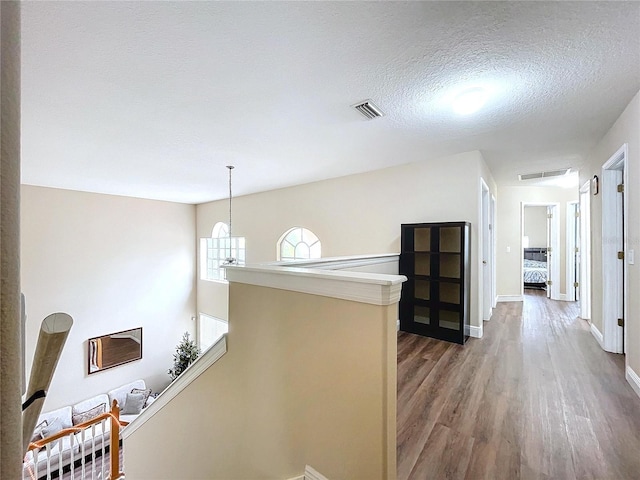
point(535, 398)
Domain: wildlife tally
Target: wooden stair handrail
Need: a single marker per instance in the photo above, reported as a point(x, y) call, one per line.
point(116, 423)
point(115, 439)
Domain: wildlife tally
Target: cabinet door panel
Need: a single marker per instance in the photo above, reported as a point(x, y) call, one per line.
point(449, 265)
point(450, 320)
point(422, 315)
point(422, 289)
point(450, 292)
point(423, 264)
point(422, 239)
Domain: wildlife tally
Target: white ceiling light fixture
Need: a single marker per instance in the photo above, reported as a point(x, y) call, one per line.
point(470, 100)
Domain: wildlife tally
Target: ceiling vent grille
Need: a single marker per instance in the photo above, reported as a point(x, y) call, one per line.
point(368, 109)
point(551, 173)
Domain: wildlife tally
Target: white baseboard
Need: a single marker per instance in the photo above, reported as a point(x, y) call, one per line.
point(565, 298)
point(596, 333)
point(475, 332)
point(509, 298)
point(633, 379)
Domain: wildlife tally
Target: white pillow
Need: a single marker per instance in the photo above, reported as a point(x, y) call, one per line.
point(134, 403)
point(145, 391)
point(37, 432)
point(81, 417)
point(52, 428)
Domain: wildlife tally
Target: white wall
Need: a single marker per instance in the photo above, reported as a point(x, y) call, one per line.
point(509, 231)
point(356, 214)
point(535, 226)
point(112, 263)
point(625, 130)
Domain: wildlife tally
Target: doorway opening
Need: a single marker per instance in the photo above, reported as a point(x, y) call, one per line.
point(614, 251)
point(540, 233)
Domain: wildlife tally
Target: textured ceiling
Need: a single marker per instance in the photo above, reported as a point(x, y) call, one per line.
point(153, 99)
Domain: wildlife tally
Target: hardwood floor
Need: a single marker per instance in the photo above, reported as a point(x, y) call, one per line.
point(535, 398)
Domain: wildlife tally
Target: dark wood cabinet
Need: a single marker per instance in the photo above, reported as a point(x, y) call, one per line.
point(435, 299)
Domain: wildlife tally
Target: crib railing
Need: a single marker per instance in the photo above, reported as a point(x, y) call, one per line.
point(79, 452)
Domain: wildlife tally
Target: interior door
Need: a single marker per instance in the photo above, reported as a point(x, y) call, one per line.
point(576, 252)
point(487, 303)
point(492, 231)
point(584, 283)
point(550, 251)
point(613, 263)
point(572, 255)
point(621, 300)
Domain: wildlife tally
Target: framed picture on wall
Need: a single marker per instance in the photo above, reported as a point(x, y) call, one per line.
point(115, 349)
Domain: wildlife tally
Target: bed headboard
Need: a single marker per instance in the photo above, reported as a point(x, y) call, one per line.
point(539, 254)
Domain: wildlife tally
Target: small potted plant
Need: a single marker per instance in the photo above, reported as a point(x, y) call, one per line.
point(186, 353)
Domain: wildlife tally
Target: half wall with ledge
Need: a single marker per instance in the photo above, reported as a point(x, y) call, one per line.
point(308, 378)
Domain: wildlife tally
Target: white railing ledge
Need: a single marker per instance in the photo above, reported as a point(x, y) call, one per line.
point(311, 473)
point(339, 262)
point(193, 371)
point(234, 273)
point(373, 288)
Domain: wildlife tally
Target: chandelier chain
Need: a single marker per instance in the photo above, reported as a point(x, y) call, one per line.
point(230, 167)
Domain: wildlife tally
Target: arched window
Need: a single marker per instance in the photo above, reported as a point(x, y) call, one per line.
point(298, 243)
point(215, 249)
point(220, 230)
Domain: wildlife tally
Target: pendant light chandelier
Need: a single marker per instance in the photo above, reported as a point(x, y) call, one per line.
point(236, 245)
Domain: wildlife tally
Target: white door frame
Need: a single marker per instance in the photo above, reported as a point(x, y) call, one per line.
point(585, 251)
point(553, 257)
point(614, 239)
point(571, 254)
point(487, 260)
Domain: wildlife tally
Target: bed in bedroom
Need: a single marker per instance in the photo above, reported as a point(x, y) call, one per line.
point(535, 268)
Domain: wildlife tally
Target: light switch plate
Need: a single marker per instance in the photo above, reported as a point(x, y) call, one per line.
point(630, 256)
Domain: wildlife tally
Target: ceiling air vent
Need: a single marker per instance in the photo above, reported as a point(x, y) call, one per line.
point(552, 173)
point(368, 109)
point(530, 176)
